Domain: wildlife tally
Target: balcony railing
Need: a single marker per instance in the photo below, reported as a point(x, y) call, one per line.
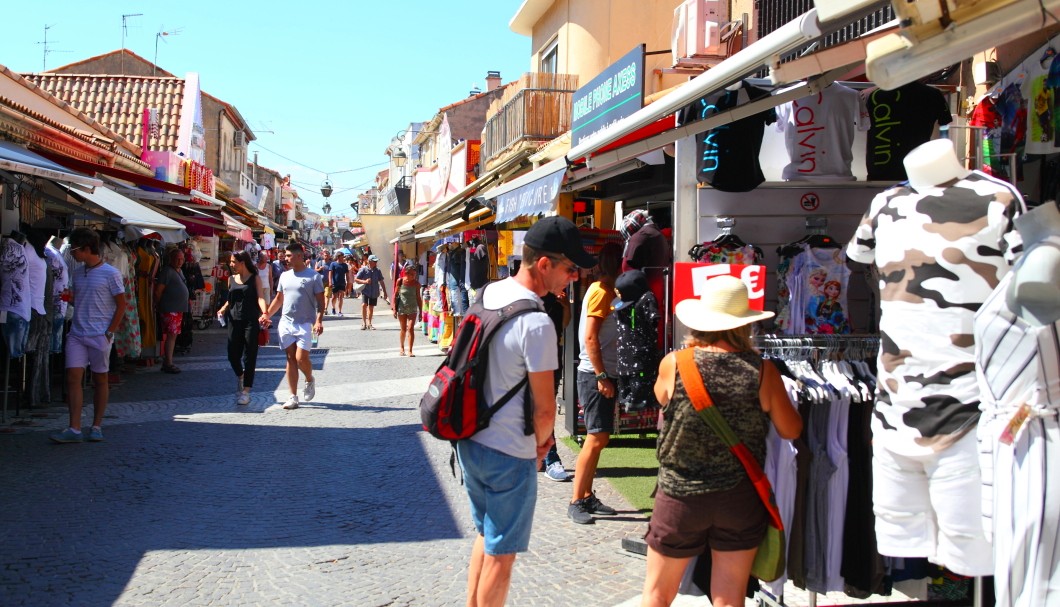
point(772, 15)
point(537, 108)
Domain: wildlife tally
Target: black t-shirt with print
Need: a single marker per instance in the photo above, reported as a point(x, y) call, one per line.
point(727, 157)
point(901, 120)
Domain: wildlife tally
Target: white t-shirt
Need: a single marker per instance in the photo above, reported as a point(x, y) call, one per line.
point(819, 133)
point(37, 274)
point(524, 345)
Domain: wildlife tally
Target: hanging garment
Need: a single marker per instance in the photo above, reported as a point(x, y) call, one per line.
point(900, 120)
point(14, 279)
point(127, 338)
point(60, 283)
point(728, 155)
point(940, 254)
point(1018, 364)
point(638, 354)
point(819, 134)
point(146, 266)
point(817, 280)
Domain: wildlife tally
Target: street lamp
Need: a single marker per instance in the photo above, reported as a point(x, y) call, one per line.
point(399, 157)
point(326, 190)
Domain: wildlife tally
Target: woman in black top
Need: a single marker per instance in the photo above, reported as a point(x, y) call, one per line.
point(245, 304)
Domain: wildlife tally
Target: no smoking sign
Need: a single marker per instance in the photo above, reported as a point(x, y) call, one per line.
point(809, 201)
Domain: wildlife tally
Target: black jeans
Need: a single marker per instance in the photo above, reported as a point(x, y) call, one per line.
point(243, 349)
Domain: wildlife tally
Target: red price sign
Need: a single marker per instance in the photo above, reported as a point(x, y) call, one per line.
point(689, 279)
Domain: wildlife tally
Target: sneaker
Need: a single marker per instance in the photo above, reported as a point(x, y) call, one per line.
point(340, 314)
point(333, 311)
point(292, 403)
point(598, 507)
point(309, 391)
point(579, 512)
point(556, 472)
point(95, 434)
point(67, 436)
point(243, 398)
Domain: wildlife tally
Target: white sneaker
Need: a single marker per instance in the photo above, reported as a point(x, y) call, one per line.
point(243, 398)
point(310, 390)
point(292, 403)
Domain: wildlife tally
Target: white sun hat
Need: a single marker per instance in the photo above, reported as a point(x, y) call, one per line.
point(722, 305)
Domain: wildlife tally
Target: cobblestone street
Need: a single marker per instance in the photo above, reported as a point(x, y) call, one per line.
point(344, 501)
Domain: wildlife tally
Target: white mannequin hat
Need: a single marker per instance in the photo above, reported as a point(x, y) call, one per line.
point(722, 305)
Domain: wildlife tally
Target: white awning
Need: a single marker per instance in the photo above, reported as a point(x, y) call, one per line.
point(532, 193)
point(236, 228)
point(16, 158)
point(129, 213)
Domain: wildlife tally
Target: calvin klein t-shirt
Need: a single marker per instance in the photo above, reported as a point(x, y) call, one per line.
point(900, 120)
point(728, 155)
point(819, 133)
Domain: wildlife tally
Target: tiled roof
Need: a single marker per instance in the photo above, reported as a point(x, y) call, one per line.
point(119, 101)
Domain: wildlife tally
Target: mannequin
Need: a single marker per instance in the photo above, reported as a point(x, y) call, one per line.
point(942, 243)
point(1034, 293)
point(1019, 433)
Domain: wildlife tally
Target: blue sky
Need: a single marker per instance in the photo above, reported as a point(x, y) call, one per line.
point(334, 80)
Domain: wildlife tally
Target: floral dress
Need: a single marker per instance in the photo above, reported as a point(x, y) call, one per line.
point(127, 340)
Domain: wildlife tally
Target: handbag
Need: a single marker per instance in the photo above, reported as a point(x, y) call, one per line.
point(770, 560)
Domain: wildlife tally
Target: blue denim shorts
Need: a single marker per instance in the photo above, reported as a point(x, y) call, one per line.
point(16, 332)
point(57, 333)
point(503, 491)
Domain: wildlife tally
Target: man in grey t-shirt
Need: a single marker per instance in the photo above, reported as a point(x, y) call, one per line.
point(300, 294)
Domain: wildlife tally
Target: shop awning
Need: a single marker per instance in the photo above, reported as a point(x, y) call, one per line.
point(18, 159)
point(428, 220)
point(531, 194)
point(236, 228)
point(130, 213)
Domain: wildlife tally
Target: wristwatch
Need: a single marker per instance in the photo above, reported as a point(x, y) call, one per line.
point(601, 376)
point(108, 334)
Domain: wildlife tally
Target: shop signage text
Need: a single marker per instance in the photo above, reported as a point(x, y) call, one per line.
point(615, 93)
point(689, 279)
point(534, 198)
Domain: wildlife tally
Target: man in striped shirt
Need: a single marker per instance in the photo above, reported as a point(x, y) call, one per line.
point(99, 307)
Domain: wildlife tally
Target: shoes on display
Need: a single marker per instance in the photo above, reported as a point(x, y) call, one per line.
point(598, 507)
point(95, 434)
point(243, 398)
point(292, 402)
point(579, 512)
point(67, 436)
point(555, 471)
point(309, 391)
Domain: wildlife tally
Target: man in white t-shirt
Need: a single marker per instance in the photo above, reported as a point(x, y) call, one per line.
point(500, 462)
point(300, 294)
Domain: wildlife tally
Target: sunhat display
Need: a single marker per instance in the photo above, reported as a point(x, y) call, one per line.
point(722, 305)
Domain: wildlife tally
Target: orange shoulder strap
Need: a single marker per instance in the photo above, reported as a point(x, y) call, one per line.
point(693, 380)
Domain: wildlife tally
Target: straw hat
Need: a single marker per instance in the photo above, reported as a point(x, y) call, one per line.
point(721, 306)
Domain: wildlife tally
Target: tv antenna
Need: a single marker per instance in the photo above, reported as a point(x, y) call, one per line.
point(162, 33)
point(124, 31)
point(47, 49)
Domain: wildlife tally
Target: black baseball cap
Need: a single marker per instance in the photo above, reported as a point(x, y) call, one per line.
point(559, 235)
point(631, 286)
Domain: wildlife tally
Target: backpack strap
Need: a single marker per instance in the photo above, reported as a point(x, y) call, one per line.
point(510, 312)
point(704, 406)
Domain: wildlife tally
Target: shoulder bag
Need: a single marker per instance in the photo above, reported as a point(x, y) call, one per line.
point(769, 563)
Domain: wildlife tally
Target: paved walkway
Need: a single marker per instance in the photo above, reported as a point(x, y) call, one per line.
point(345, 501)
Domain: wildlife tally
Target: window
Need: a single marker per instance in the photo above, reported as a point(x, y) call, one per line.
point(550, 58)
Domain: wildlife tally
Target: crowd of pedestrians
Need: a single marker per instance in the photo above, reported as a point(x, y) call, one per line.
point(704, 500)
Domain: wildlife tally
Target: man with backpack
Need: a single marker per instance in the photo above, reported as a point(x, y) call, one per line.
point(499, 462)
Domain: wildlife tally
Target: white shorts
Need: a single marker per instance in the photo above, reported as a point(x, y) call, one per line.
point(82, 351)
point(300, 333)
point(930, 505)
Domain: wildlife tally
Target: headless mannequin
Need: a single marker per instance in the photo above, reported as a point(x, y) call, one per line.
point(1034, 292)
point(933, 165)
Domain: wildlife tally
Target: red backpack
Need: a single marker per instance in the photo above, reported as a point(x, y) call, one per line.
point(454, 406)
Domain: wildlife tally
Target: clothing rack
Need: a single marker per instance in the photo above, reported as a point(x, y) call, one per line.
point(814, 348)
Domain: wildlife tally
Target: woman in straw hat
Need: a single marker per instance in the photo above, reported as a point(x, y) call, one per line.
point(704, 497)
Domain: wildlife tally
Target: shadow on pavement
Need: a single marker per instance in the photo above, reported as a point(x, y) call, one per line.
point(92, 511)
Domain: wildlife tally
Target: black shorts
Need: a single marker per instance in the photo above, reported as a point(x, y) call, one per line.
point(599, 412)
point(729, 520)
point(371, 301)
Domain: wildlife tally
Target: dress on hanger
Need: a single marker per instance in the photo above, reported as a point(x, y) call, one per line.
point(145, 271)
point(127, 339)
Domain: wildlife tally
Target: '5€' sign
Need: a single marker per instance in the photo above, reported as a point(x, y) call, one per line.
point(689, 279)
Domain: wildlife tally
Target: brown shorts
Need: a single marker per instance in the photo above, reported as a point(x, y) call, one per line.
point(729, 520)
